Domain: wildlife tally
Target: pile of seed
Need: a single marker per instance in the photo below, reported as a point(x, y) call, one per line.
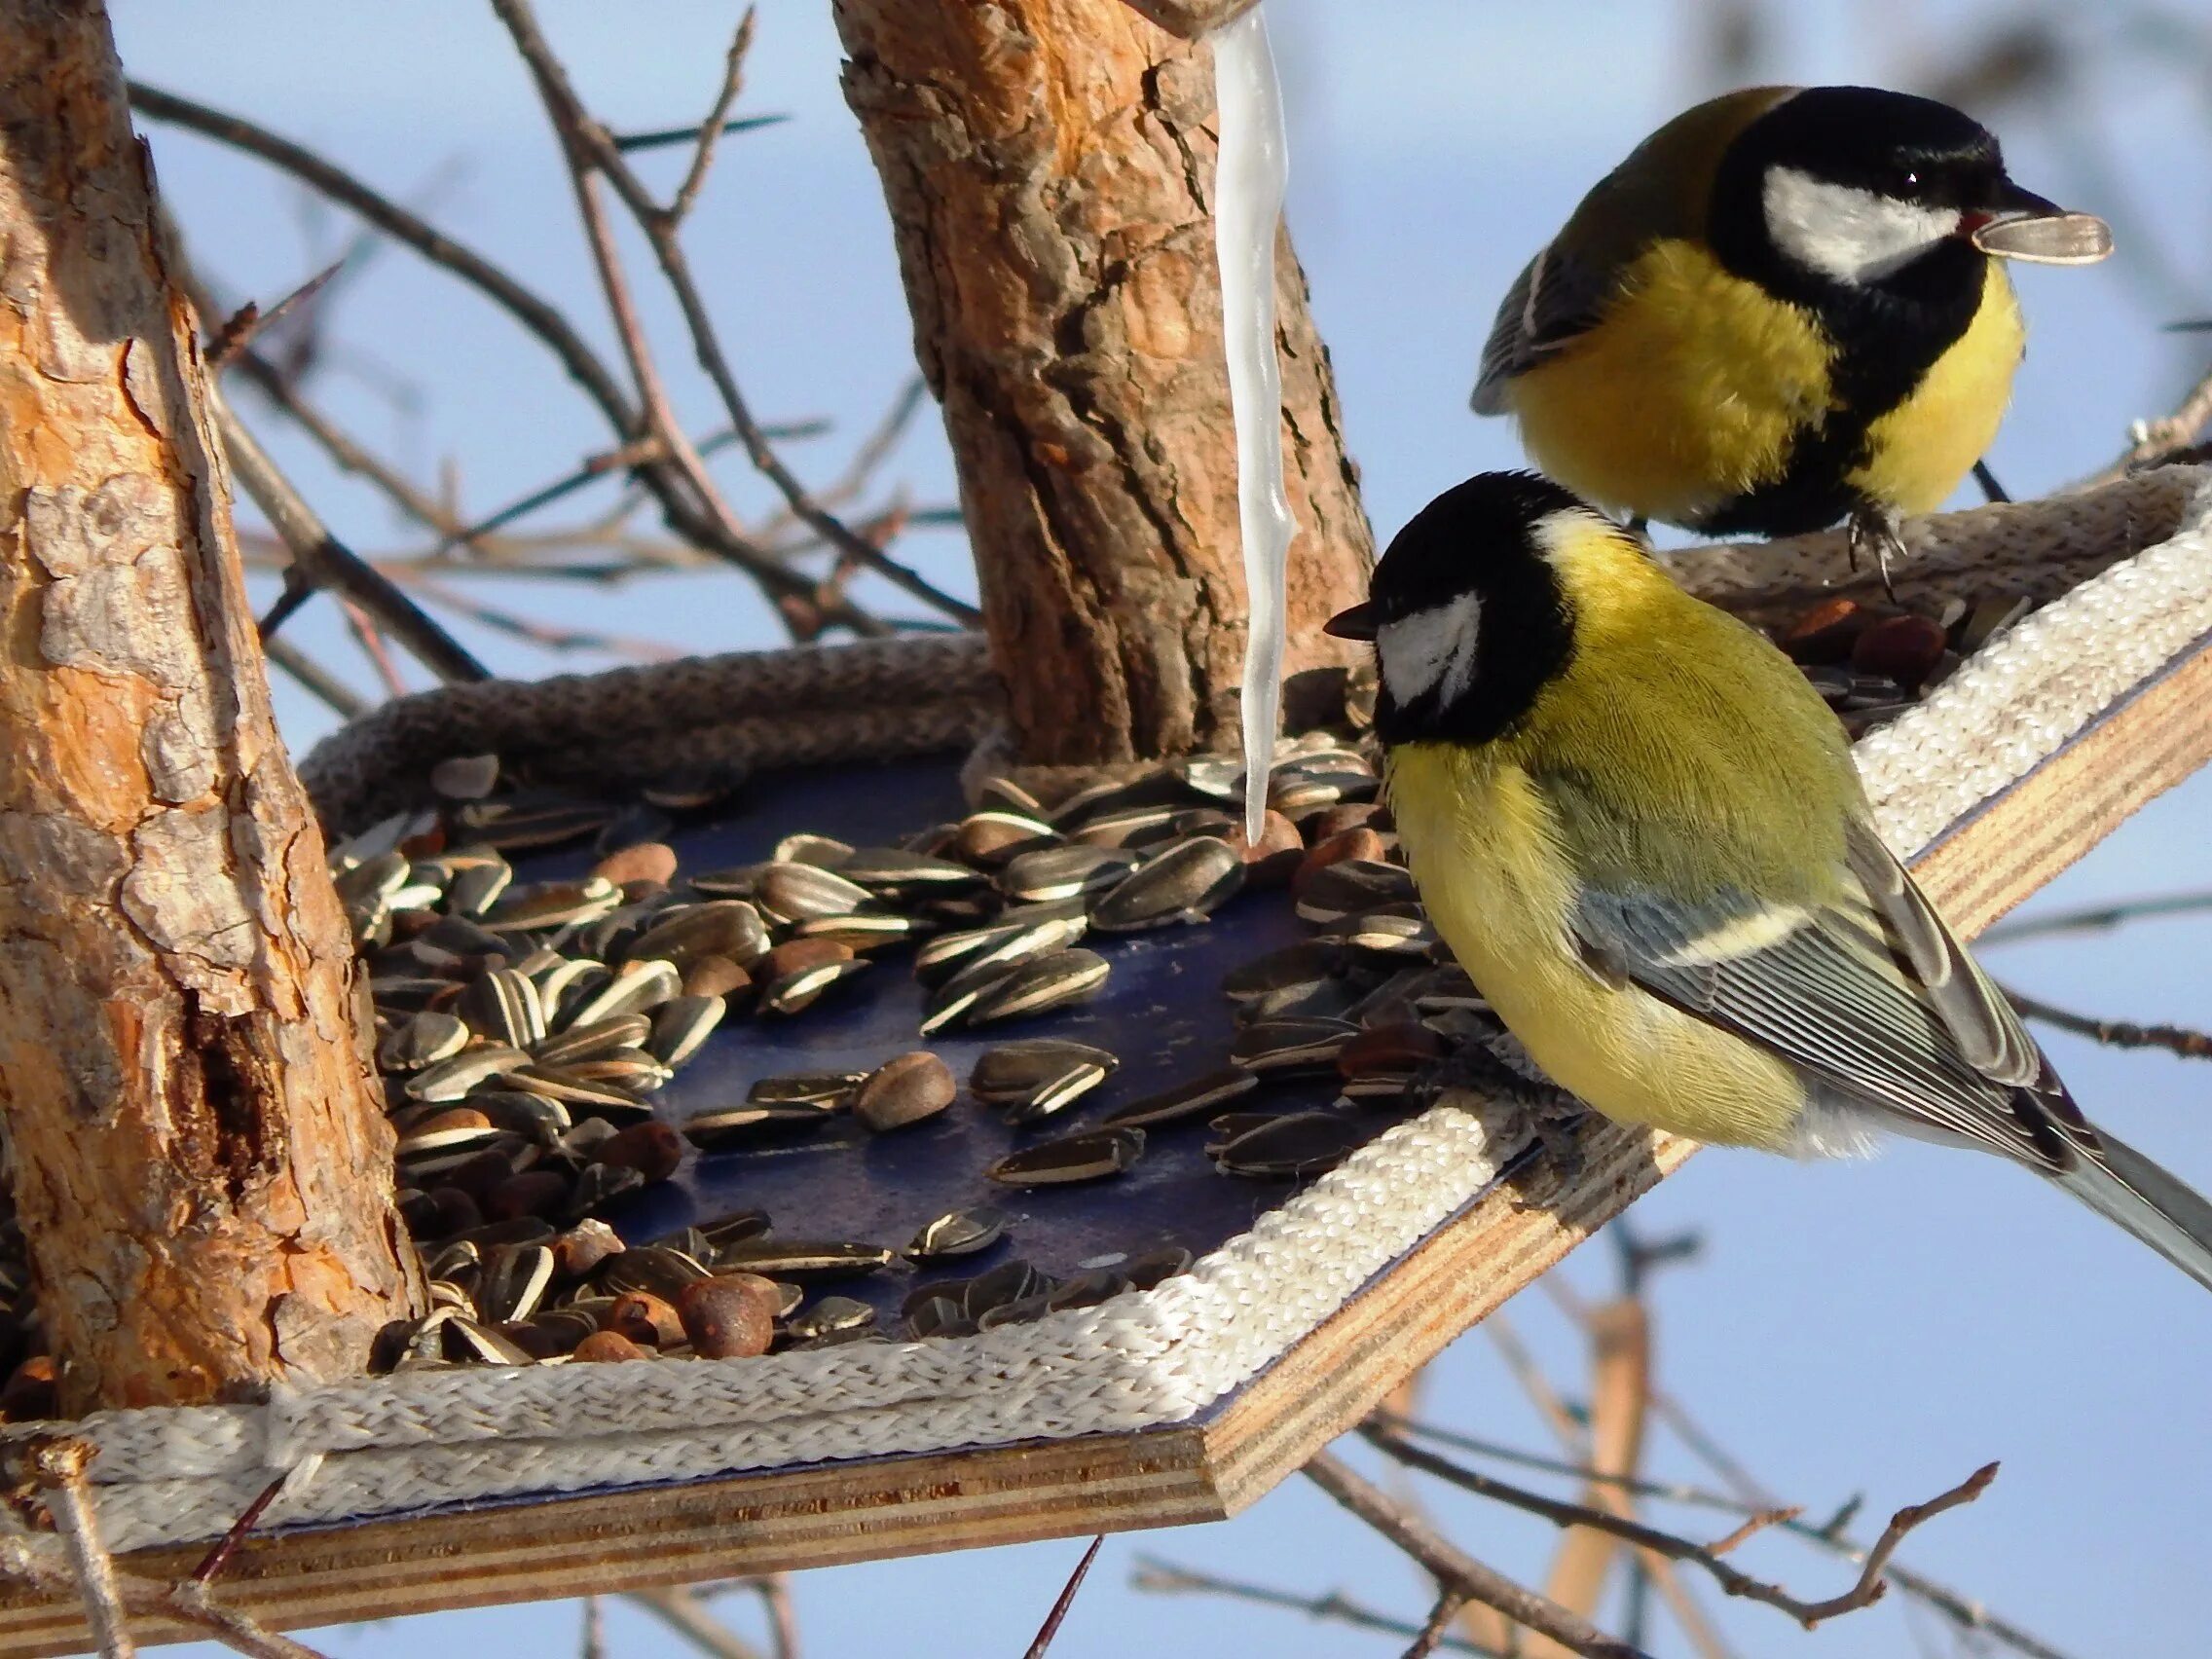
point(1872, 662)
point(523, 1028)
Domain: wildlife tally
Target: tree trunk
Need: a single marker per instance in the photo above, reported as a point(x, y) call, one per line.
point(196, 1145)
point(1049, 169)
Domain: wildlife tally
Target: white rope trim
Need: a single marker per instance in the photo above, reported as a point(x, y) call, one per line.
point(389, 1446)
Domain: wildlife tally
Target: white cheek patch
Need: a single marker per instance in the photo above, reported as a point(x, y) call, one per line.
point(1847, 234)
point(1431, 651)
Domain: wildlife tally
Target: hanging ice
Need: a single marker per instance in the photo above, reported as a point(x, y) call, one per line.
point(1251, 169)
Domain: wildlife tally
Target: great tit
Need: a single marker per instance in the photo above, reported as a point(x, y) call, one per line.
point(1641, 831)
point(1781, 311)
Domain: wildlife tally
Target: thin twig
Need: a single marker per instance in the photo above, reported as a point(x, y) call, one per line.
point(1865, 1592)
point(1165, 1578)
point(329, 563)
point(792, 593)
point(318, 681)
point(629, 143)
point(712, 129)
point(579, 128)
point(1452, 1568)
point(775, 1591)
point(2156, 441)
point(593, 1642)
point(57, 1467)
point(681, 1609)
point(2180, 1040)
point(363, 628)
point(2093, 918)
point(249, 319)
point(1431, 1633)
point(40, 1563)
point(1050, 1628)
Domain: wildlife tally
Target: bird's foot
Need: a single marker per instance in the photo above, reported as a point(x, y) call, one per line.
point(1497, 1066)
point(1876, 531)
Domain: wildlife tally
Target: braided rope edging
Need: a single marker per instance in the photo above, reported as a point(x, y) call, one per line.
point(386, 1446)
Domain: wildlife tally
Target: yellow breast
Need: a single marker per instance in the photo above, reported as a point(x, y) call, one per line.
point(1687, 395)
point(1918, 453)
point(1484, 852)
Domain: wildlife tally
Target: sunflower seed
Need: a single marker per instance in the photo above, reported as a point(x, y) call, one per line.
point(682, 933)
point(826, 1089)
point(804, 1261)
point(1064, 873)
point(535, 1117)
point(439, 1135)
point(799, 989)
point(1185, 883)
point(1086, 1290)
point(637, 985)
point(655, 1268)
point(469, 1342)
point(1016, 935)
point(1056, 981)
point(1157, 789)
point(861, 930)
point(1381, 931)
point(1019, 1312)
point(994, 838)
point(1184, 1100)
point(797, 891)
point(1301, 1143)
point(905, 1090)
point(1010, 1282)
point(1293, 970)
point(509, 828)
point(465, 777)
point(824, 852)
point(696, 790)
point(1350, 887)
point(681, 1025)
point(1218, 777)
point(1153, 1266)
point(583, 1096)
point(1299, 1042)
point(957, 1232)
point(640, 823)
point(422, 1040)
point(451, 1078)
point(938, 1317)
point(1088, 1157)
point(515, 1281)
point(892, 870)
point(733, 1229)
point(727, 1129)
point(590, 1041)
point(832, 1315)
point(502, 1004)
point(380, 838)
point(553, 903)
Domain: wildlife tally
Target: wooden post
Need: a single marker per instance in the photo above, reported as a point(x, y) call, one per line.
point(195, 1140)
point(1049, 169)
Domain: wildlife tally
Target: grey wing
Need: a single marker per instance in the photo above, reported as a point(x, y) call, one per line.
point(1870, 997)
point(1554, 298)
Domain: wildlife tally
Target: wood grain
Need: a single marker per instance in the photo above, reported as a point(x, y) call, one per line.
point(819, 1516)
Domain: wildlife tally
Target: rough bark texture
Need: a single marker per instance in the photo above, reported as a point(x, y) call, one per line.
point(195, 1142)
point(1050, 168)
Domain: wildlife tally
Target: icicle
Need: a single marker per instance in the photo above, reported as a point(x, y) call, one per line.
point(1250, 172)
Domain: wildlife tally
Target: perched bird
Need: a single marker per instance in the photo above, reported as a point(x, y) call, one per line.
point(1781, 311)
point(1641, 831)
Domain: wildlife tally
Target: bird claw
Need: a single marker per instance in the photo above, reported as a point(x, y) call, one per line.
point(1875, 531)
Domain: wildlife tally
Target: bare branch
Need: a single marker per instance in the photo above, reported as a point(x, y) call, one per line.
point(2155, 442)
point(1065, 1600)
point(2094, 919)
point(2115, 1033)
point(681, 1609)
point(1431, 1633)
point(584, 136)
point(712, 129)
point(1864, 1593)
point(1165, 1578)
point(249, 319)
point(56, 1466)
point(1455, 1570)
point(328, 562)
point(315, 679)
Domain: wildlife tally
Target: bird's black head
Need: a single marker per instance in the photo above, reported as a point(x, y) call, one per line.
point(1466, 611)
point(1857, 187)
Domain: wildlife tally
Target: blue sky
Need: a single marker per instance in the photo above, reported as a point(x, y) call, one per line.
point(1880, 1327)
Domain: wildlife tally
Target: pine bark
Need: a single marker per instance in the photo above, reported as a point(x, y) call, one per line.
point(195, 1142)
point(1049, 166)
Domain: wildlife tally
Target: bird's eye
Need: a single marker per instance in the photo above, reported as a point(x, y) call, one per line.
point(1911, 182)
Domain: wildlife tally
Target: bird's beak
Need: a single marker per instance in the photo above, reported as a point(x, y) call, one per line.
point(2021, 225)
point(1357, 623)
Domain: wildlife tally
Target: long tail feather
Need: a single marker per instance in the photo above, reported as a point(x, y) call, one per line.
point(2123, 1186)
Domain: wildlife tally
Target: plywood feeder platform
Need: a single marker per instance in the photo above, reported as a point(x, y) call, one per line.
point(1306, 1303)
